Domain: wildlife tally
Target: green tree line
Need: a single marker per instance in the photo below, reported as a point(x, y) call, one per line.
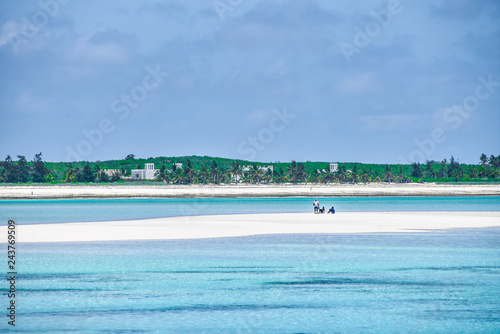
point(22, 171)
point(208, 170)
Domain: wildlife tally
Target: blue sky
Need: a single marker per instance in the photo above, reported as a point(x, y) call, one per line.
point(364, 81)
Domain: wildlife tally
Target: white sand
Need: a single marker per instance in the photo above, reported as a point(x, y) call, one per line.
point(255, 224)
point(242, 190)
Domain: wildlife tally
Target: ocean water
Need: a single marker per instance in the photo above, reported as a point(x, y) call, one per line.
point(440, 282)
point(446, 282)
point(82, 210)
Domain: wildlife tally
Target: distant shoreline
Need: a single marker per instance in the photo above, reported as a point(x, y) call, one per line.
point(71, 191)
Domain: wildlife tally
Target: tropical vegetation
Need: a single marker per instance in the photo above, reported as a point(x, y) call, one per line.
point(210, 170)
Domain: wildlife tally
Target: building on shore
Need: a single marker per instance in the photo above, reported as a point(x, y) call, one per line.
point(148, 173)
point(261, 168)
point(334, 167)
point(111, 172)
point(246, 169)
point(178, 165)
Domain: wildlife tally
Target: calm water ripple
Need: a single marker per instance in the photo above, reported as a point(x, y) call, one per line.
point(376, 283)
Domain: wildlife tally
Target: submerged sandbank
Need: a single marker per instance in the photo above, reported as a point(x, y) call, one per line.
point(196, 227)
point(241, 190)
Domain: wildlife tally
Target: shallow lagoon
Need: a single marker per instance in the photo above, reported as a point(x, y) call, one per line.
point(441, 282)
point(84, 210)
point(380, 283)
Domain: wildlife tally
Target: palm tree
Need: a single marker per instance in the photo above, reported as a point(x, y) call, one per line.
point(175, 174)
point(402, 178)
point(3, 173)
point(472, 172)
point(453, 167)
point(314, 176)
point(354, 175)
point(483, 171)
point(268, 175)
point(71, 173)
point(483, 159)
point(196, 177)
point(255, 174)
point(416, 171)
point(365, 177)
point(224, 175)
point(342, 174)
point(97, 172)
point(204, 174)
point(459, 172)
point(301, 172)
point(236, 170)
point(280, 176)
point(495, 172)
point(329, 177)
point(429, 171)
point(292, 172)
point(245, 177)
point(496, 162)
point(187, 171)
point(324, 177)
point(162, 174)
point(492, 160)
point(443, 172)
point(214, 172)
point(389, 175)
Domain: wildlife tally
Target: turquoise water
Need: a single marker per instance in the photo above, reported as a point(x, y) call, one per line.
point(81, 210)
point(441, 282)
point(378, 283)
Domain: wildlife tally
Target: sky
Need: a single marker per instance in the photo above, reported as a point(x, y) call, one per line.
point(396, 81)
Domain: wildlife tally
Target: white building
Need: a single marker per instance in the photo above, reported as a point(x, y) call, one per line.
point(111, 172)
point(334, 167)
point(261, 168)
point(148, 173)
point(246, 169)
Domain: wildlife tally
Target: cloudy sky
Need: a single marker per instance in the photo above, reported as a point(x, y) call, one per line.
point(264, 80)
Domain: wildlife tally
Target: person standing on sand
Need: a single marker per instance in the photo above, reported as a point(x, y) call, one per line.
point(316, 205)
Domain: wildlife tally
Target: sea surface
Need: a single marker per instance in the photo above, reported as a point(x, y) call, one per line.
point(440, 282)
point(85, 210)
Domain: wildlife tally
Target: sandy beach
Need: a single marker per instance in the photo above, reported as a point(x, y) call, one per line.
point(255, 224)
point(242, 190)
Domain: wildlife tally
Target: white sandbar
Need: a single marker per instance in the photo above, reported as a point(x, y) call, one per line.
point(242, 190)
point(254, 224)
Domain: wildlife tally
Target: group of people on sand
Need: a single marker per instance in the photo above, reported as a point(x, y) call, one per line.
point(322, 210)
